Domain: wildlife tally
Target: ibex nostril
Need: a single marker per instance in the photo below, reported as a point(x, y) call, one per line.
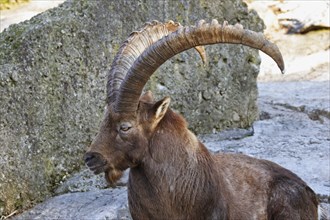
point(92, 157)
point(94, 160)
point(88, 157)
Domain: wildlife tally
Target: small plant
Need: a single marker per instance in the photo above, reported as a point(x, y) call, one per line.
point(8, 4)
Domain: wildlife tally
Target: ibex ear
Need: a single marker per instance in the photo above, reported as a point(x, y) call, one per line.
point(147, 97)
point(160, 108)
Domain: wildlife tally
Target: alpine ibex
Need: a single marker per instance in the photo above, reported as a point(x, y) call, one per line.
point(172, 174)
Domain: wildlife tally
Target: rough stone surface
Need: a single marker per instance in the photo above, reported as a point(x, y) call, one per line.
point(301, 18)
point(306, 55)
point(96, 205)
point(293, 131)
point(52, 84)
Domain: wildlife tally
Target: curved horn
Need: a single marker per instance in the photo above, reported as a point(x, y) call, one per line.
point(185, 38)
point(132, 48)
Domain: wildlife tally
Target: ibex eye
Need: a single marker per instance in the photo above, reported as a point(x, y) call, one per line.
point(125, 126)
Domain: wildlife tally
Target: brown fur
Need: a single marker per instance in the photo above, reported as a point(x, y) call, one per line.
point(173, 175)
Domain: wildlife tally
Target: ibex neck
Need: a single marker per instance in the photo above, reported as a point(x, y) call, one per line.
point(178, 173)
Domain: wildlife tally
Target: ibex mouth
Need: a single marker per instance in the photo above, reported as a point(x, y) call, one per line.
point(98, 169)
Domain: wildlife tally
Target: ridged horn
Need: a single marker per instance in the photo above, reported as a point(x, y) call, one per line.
point(185, 38)
point(132, 48)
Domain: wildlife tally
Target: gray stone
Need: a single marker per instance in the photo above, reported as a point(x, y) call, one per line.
point(300, 17)
point(52, 85)
point(101, 204)
point(86, 180)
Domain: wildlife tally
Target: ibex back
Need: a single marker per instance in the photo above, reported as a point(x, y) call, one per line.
point(172, 174)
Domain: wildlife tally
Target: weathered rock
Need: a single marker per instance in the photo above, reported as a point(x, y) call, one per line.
point(301, 17)
point(86, 180)
point(101, 204)
point(306, 55)
point(52, 84)
point(295, 17)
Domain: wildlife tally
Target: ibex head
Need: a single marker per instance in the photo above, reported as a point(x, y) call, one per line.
point(131, 119)
point(124, 137)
